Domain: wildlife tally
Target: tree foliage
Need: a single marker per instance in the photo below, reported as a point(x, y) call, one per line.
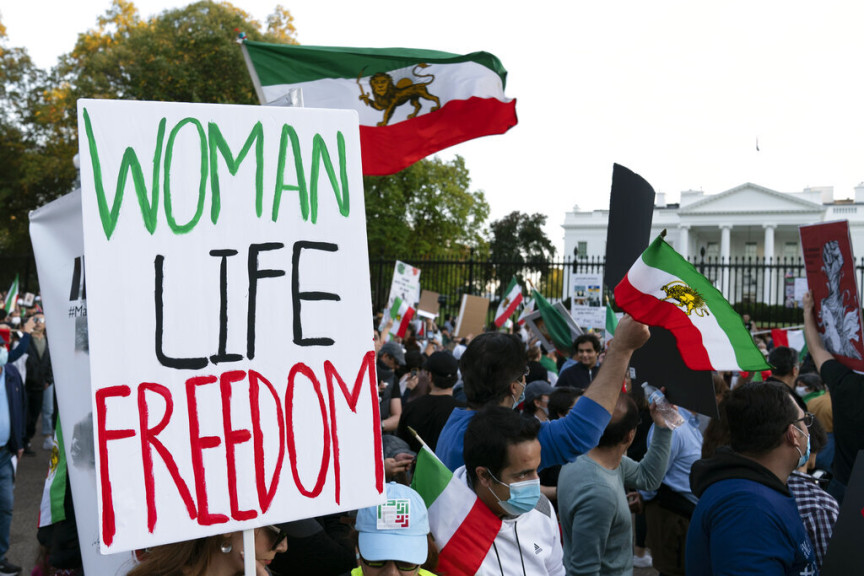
point(426, 209)
point(185, 55)
point(517, 242)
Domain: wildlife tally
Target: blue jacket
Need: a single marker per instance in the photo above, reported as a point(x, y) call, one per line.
point(562, 440)
point(15, 396)
point(746, 522)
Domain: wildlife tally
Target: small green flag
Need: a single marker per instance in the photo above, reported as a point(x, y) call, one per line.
point(557, 326)
point(12, 296)
point(611, 322)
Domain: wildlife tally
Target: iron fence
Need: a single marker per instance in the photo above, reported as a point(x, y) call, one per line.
point(762, 288)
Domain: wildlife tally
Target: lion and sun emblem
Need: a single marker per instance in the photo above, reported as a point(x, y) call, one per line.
point(388, 95)
point(686, 297)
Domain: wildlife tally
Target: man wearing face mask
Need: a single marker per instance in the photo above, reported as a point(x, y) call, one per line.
point(595, 513)
point(502, 454)
point(11, 443)
point(494, 368)
point(747, 521)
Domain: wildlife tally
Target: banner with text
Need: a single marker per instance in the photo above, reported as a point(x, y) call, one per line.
point(58, 243)
point(229, 304)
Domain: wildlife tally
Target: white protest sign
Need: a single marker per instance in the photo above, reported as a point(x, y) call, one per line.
point(405, 284)
point(229, 304)
point(58, 244)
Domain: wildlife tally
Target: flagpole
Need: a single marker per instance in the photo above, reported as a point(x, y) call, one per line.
point(249, 552)
point(255, 80)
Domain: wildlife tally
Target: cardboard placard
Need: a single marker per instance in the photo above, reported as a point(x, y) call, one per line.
point(429, 305)
point(228, 304)
point(830, 267)
point(473, 311)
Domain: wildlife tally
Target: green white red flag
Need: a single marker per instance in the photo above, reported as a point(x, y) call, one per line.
point(411, 103)
point(791, 339)
point(509, 303)
point(52, 508)
point(663, 289)
point(402, 315)
point(12, 296)
point(527, 309)
point(462, 525)
point(611, 322)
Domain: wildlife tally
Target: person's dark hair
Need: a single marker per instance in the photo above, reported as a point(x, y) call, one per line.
point(561, 399)
point(716, 433)
point(721, 388)
point(783, 359)
point(490, 363)
point(818, 436)
point(193, 556)
point(758, 413)
point(536, 371)
point(491, 431)
point(625, 418)
point(589, 337)
point(811, 380)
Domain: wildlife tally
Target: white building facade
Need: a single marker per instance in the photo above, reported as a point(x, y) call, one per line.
point(748, 221)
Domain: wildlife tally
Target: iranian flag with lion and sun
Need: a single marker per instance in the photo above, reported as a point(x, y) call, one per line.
point(411, 103)
point(663, 289)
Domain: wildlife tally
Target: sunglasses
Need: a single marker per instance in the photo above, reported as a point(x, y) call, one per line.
point(278, 536)
point(401, 566)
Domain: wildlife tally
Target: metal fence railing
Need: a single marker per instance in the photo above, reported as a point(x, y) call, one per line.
point(755, 286)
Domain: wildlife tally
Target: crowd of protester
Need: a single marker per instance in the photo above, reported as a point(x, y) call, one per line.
point(583, 473)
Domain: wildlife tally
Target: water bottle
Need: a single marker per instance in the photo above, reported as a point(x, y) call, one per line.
point(669, 413)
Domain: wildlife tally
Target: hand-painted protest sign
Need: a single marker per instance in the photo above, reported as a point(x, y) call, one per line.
point(405, 285)
point(830, 267)
point(229, 304)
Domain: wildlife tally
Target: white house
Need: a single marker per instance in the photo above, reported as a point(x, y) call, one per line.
point(746, 221)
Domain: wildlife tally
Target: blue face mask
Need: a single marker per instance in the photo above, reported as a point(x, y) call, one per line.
point(4, 355)
point(806, 456)
point(521, 396)
point(523, 496)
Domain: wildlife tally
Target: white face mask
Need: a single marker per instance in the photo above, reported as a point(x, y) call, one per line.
point(801, 391)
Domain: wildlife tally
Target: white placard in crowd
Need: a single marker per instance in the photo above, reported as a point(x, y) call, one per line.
point(58, 244)
point(229, 304)
point(405, 285)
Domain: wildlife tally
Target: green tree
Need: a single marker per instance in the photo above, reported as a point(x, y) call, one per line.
point(186, 55)
point(426, 209)
point(29, 169)
point(517, 243)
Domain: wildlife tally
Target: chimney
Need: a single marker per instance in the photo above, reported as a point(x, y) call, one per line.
point(660, 200)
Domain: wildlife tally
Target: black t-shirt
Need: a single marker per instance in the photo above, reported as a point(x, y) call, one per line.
point(577, 376)
point(427, 416)
point(847, 402)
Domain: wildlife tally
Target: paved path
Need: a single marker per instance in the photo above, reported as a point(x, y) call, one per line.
point(29, 482)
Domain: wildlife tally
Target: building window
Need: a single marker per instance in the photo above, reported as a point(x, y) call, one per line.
point(790, 250)
point(582, 247)
point(712, 250)
point(750, 250)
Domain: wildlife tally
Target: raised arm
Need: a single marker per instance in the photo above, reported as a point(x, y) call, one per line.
point(811, 334)
point(630, 335)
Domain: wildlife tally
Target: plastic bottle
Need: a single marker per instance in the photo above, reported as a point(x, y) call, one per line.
point(670, 415)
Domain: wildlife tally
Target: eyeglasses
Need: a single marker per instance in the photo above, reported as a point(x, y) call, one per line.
point(278, 536)
point(401, 566)
point(807, 419)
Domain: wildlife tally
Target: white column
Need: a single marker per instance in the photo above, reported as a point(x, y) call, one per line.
point(684, 241)
point(725, 237)
point(769, 289)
